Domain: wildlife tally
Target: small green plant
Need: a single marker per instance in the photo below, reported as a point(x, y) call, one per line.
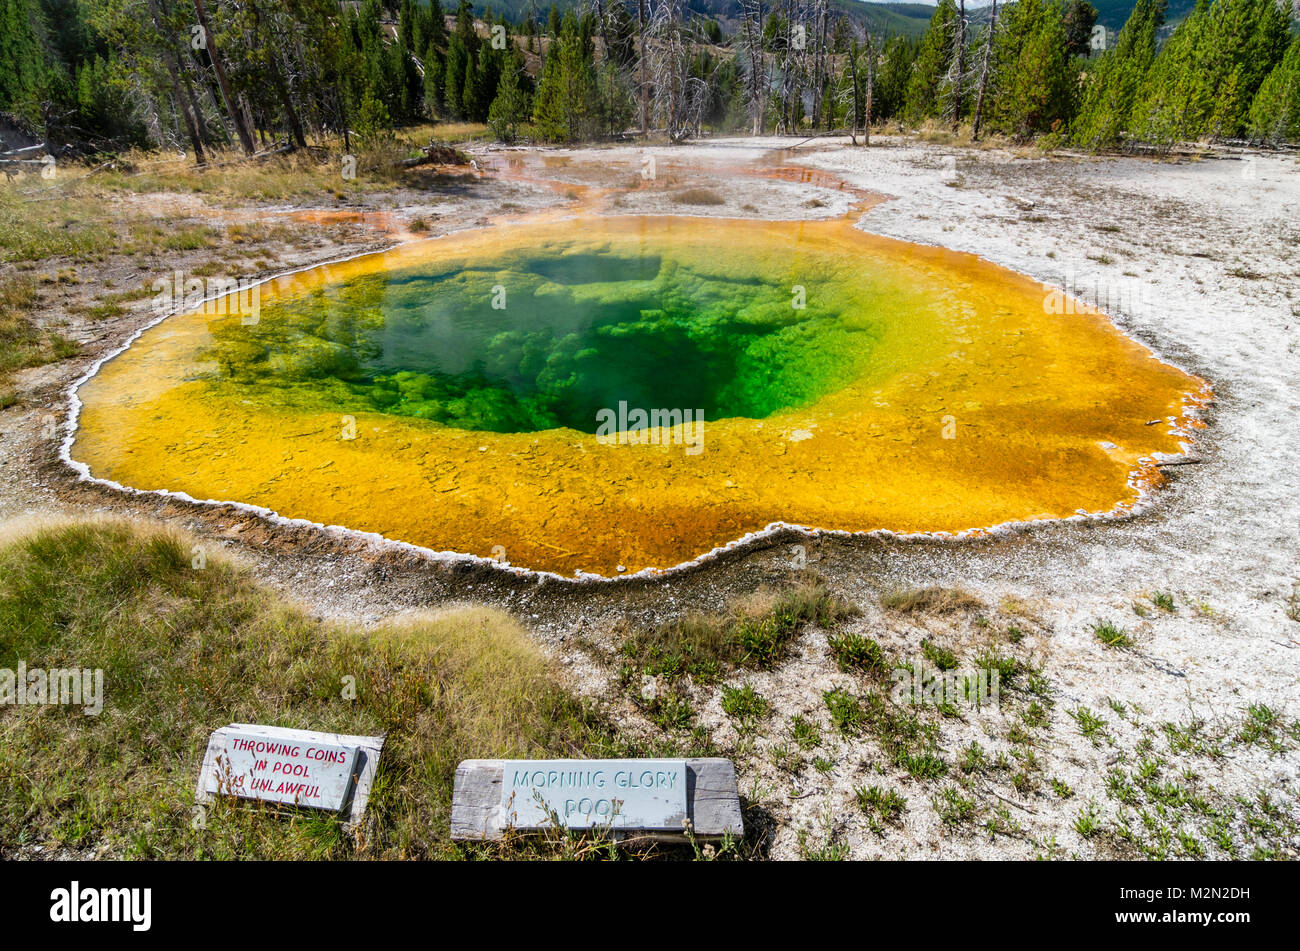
point(974, 759)
point(930, 600)
point(1164, 601)
point(1034, 715)
point(847, 714)
point(1111, 634)
point(1039, 686)
point(785, 758)
point(1001, 823)
point(941, 657)
point(1088, 821)
point(830, 848)
point(1261, 723)
point(1007, 668)
point(672, 712)
point(855, 652)
point(744, 703)
point(703, 646)
point(954, 809)
point(886, 805)
point(1149, 769)
point(1062, 789)
point(1090, 725)
point(1119, 788)
point(925, 765)
point(1189, 845)
point(806, 733)
point(1046, 849)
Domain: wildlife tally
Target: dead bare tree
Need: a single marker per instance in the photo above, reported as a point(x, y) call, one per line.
point(984, 70)
point(860, 69)
point(210, 44)
point(959, 62)
point(755, 64)
point(644, 82)
point(959, 75)
point(820, 16)
point(680, 98)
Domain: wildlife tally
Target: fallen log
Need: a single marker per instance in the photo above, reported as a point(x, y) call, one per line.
point(436, 154)
point(30, 148)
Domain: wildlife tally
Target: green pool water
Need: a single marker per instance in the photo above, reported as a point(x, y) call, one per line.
point(542, 338)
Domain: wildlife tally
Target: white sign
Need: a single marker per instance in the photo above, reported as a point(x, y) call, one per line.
point(327, 771)
point(586, 794)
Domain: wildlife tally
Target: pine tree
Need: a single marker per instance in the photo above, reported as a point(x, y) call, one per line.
point(24, 67)
point(1175, 100)
point(510, 107)
point(435, 85)
point(895, 71)
point(454, 78)
point(1275, 113)
point(566, 108)
point(1111, 86)
point(1250, 39)
point(1202, 83)
point(1080, 18)
point(1034, 80)
point(925, 89)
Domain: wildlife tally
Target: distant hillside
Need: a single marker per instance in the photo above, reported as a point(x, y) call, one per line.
point(883, 19)
point(1114, 13)
point(906, 19)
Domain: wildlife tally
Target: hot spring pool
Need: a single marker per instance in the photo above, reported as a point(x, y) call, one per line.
point(531, 392)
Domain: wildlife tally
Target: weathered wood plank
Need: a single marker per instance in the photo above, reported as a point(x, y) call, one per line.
point(712, 802)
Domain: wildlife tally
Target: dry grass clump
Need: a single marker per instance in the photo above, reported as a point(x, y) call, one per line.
point(931, 600)
point(697, 196)
point(756, 631)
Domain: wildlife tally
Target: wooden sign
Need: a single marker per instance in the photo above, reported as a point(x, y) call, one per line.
point(650, 797)
point(585, 794)
point(329, 771)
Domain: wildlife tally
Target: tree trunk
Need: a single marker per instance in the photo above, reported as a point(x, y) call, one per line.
point(199, 124)
point(961, 63)
point(295, 124)
point(787, 99)
point(179, 96)
point(819, 71)
point(857, 96)
point(343, 118)
point(757, 71)
point(278, 81)
point(645, 83)
point(245, 139)
point(984, 72)
point(170, 62)
point(871, 81)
